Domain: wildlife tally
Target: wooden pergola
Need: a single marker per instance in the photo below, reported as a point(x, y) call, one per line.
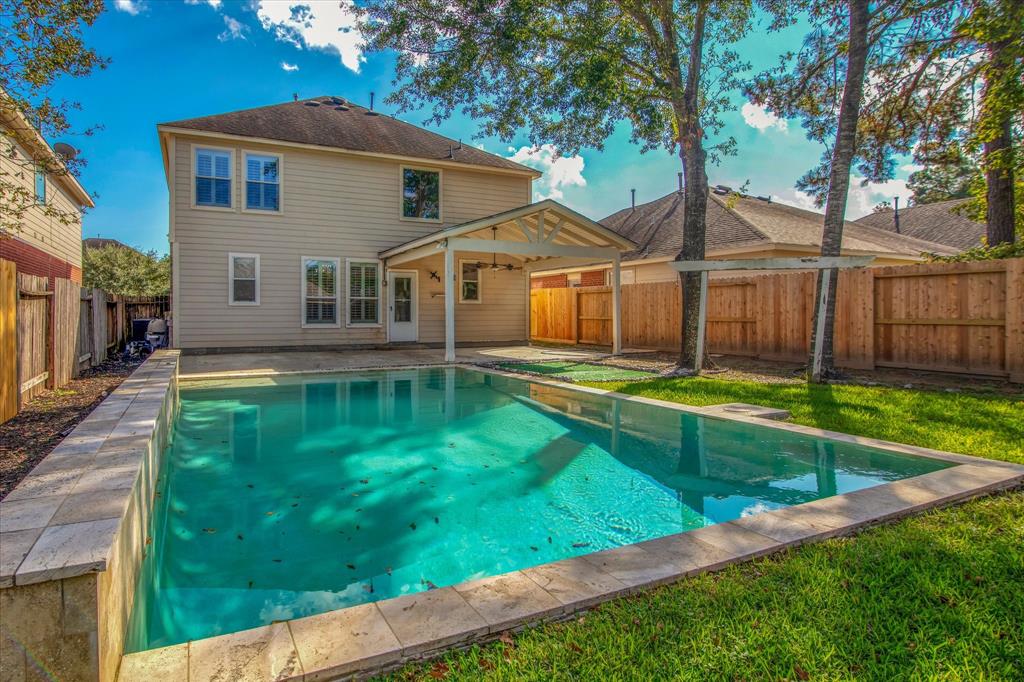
point(530, 234)
point(827, 264)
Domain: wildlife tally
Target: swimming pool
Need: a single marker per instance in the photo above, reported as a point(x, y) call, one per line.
point(294, 496)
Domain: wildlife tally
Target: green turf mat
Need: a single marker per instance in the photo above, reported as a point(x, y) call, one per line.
point(577, 371)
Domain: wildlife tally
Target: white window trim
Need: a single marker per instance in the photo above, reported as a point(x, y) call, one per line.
point(245, 180)
point(234, 174)
point(348, 292)
point(231, 278)
point(401, 193)
point(302, 288)
point(479, 283)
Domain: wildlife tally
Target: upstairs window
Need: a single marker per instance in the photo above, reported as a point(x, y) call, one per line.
point(243, 279)
point(469, 282)
point(213, 178)
point(320, 292)
point(40, 185)
point(363, 293)
point(421, 194)
point(262, 182)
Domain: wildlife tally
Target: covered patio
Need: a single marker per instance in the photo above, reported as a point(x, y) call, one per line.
point(508, 246)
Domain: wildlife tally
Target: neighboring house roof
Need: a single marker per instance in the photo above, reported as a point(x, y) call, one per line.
point(937, 222)
point(27, 135)
point(103, 242)
point(738, 221)
point(325, 122)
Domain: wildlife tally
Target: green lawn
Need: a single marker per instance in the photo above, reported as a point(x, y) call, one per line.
point(935, 596)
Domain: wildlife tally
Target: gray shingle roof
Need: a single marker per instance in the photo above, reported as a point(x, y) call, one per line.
point(320, 121)
point(937, 222)
point(739, 221)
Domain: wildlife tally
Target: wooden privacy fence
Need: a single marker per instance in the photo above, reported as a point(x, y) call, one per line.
point(950, 317)
point(48, 334)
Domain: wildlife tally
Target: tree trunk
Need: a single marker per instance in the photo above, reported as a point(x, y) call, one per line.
point(838, 188)
point(998, 153)
point(695, 194)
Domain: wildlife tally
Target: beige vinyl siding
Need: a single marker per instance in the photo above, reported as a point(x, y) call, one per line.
point(500, 316)
point(333, 206)
point(47, 233)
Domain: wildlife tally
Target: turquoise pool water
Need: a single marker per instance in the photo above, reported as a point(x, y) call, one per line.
point(285, 498)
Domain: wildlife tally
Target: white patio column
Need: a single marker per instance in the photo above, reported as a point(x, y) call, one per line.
point(616, 305)
point(449, 304)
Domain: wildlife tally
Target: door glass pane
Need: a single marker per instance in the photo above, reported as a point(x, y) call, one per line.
point(403, 288)
point(403, 311)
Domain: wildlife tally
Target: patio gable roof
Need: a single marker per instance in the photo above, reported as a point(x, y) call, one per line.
point(543, 229)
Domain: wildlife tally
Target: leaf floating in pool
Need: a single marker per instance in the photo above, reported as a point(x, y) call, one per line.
point(434, 468)
point(149, 540)
point(413, 525)
point(210, 530)
point(250, 485)
point(239, 536)
point(277, 561)
point(351, 567)
point(487, 466)
point(549, 539)
point(250, 584)
point(430, 585)
point(270, 513)
point(360, 509)
point(388, 570)
point(534, 548)
point(364, 481)
point(357, 526)
point(368, 588)
point(451, 445)
point(437, 520)
point(295, 504)
point(577, 545)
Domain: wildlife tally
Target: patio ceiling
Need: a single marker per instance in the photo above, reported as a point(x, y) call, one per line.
point(529, 233)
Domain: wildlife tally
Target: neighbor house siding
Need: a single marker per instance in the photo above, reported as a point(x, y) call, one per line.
point(334, 206)
point(62, 241)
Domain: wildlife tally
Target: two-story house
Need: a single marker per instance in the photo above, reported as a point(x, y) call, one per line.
point(321, 224)
point(44, 206)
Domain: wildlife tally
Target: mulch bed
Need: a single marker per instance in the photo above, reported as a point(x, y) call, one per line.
point(27, 438)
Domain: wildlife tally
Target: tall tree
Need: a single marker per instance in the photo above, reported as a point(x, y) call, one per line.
point(40, 42)
point(568, 72)
point(942, 180)
point(824, 84)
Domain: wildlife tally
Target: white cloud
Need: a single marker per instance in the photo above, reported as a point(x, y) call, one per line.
point(212, 3)
point(132, 7)
point(860, 201)
point(234, 29)
point(289, 67)
point(327, 26)
point(794, 197)
point(756, 116)
point(559, 171)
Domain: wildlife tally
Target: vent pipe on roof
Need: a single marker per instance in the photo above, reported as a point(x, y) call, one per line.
point(632, 200)
point(679, 176)
point(896, 213)
point(371, 101)
point(295, 97)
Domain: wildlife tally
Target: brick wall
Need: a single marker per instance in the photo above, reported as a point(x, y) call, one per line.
point(550, 282)
point(592, 278)
point(34, 261)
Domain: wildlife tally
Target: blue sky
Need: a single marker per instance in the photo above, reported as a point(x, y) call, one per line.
point(174, 59)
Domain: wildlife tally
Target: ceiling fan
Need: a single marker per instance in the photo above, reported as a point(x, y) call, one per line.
point(494, 265)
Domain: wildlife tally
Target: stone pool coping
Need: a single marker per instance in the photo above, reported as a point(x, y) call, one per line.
point(363, 639)
point(61, 521)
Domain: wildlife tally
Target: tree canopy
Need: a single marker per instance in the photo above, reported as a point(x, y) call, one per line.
point(123, 270)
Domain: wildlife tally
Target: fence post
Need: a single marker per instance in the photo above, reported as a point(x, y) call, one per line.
point(1015, 319)
point(575, 315)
